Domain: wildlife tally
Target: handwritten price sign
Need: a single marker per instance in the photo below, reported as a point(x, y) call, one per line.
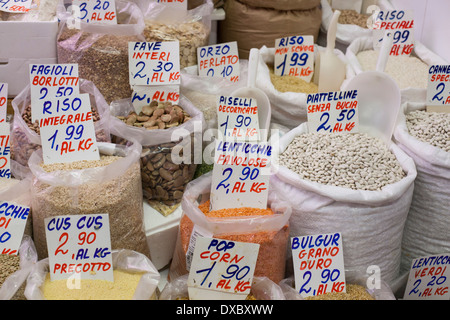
point(95, 11)
point(429, 278)
point(222, 269)
point(16, 6)
point(438, 89)
point(294, 56)
point(333, 112)
point(154, 63)
point(220, 60)
point(401, 24)
point(238, 118)
point(67, 130)
point(49, 81)
point(3, 101)
point(240, 175)
point(81, 245)
point(5, 150)
point(143, 95)
point(13, 218)
point(318, 264)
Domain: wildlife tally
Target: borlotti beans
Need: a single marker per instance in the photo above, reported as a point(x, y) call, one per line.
point(357, 161)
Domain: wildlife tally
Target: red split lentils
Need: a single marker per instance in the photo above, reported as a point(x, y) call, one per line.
point(272, 250)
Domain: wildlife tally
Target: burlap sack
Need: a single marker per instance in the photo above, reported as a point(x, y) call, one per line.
point(254, 27)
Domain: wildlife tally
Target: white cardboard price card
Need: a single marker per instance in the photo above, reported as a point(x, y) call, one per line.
point(15, 6)
point(401, 24)
point(238, 118)
point(220, 60)
point(294, 56)
point(333, 112)
point(67, 130)
point(241, 174)
point(143, 95)
point(438, 89)
point(79, 245)
point(429, 278)
point(3, 101)
point(318, 264)
point(5, 150)
point(154, 63)
point(95, 11)
point(49, 81)
point(13, 218)
point(222, 269)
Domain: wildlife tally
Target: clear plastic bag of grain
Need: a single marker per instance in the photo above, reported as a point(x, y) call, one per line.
point(25, 136)
point(14, 270)
point(111, 185)
point(171, 139)
point(267, 227)
point(262, 289)
point(190, 28)
point(101, 50)
point(135, 278)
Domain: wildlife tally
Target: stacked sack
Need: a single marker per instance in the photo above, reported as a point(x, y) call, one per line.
point(254, 23)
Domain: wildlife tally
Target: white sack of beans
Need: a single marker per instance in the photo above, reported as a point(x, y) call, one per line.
point(345, 33)
point(371, 221)
point(427, 229)
point(288, 108)
point(410, 73)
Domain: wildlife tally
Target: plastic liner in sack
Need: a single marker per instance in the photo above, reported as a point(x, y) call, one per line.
point(288, 108)
point(346, 33)
point(370, 222)
point(203, 91)
point(378, 290)
point(169, 156)
point(271, 232)
point(111, 186)
point(25, 137)
point(190, 28)
point(122, 259)
point(101, 50)
point(408, 93)
point(13, 287)
point(427, 229)
point(262, 289)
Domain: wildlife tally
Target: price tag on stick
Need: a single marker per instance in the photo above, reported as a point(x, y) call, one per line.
point(294, 56)
point(318, 264)
point(241, 175)
point(95, 11)
point(5, 150)
point(154, 63)
point(220, 60)
point(401, 24)
point(438, 89)
point(67, 130)
point(429, 278)
point(333, 112)
point(3, 101)
point(79, 245)
point(222, 269)
point(13, 218)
